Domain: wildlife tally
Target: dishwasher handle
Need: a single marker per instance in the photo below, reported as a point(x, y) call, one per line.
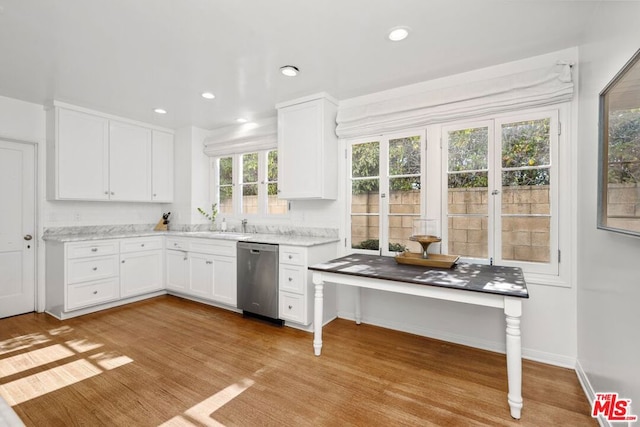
point(255, 251)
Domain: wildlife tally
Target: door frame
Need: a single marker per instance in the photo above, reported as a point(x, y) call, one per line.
point(38, 253)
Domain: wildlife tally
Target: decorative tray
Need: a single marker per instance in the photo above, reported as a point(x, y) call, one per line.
point(434, 260)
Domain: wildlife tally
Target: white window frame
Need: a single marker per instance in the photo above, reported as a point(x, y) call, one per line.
point(237, 183)
point(383, 178)
point(495, 184)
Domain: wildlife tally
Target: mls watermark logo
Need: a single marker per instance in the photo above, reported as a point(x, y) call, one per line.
point(612, 408)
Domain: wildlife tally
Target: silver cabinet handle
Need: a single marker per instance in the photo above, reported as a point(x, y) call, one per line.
point(112, 193)
point(184, 259)
point(94, 249)
point(209, 262)
point(290, 279)
point(123, 261)
point(142, 245)
point(106, 193)
point(155, 195)
point(290, 307)
point(28, 237)
point(290, 256)
point(95, 268)
point(95, 292)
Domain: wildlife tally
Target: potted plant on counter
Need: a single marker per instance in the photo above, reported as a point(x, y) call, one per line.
point(210, 216)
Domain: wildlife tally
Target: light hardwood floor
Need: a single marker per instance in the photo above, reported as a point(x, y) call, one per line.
point(175, 362)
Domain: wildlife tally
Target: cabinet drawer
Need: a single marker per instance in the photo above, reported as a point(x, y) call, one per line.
point(293, 255)
point(292, 307)
point(140, 244)
point(91, 293)
point(214, 247)
point(177, 243)
point(92, 248)
point(293, 278)
point(92, 268)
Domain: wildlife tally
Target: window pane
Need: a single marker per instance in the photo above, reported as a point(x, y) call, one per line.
point(275, 206)
point(404, 196)
point(250, 167)
point(365, 159)
point(468, 149)
point(226, 200)
point(250, 199)
point(468, 193)
point(400, 229)
point(525, 199)
point(526, 143)
point(468, 236)
point(526, 238)
point(225, 166)
point(404, 156)
point(365, 232)
point(272, 166)
point(365, 196)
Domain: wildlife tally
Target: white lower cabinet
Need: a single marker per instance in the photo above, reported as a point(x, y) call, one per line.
point(177, 270)
point(140, 272)
point(296, 290)
point(203, 268)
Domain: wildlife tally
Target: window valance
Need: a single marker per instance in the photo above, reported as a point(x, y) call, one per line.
point(246, 138)
point(528, 89)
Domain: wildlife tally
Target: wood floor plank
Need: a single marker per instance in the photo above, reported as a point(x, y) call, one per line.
point(169, 361)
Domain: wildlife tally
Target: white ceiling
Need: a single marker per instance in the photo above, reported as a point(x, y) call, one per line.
point(127, 57)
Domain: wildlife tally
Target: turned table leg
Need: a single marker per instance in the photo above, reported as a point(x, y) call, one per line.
point(513, 312)
point(317, 316)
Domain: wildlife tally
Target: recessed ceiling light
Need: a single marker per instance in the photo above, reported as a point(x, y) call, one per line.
point(398, 33)
point(160, 111)
point(208, 95)
point(241, 120)
point(289, 70)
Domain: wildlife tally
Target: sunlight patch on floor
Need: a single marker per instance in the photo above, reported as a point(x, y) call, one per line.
point(201, 413)
point(22, 342)
point(41, 383)
point(25, 361)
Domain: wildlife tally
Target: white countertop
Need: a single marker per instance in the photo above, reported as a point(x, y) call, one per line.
point(279, 239)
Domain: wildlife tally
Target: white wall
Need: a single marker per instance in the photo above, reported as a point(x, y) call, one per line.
point(608, 263)
point(549, 319)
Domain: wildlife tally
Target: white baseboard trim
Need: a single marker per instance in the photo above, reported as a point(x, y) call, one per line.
point(529, 354)
point(589, 392)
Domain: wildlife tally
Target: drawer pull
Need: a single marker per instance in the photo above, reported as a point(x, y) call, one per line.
point(95, 268)
point(95, 292)
point(209, 262)
point(290, 256)
point(142, 245)
point(290, 279)
point(94, 249)
point(123, 261)
point(175, 244)
point(184, 259)
point(290, 307)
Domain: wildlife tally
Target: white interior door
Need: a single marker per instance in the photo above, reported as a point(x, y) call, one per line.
point(17, 228)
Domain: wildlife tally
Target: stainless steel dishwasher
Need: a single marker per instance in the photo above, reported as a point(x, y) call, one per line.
point(258, 280)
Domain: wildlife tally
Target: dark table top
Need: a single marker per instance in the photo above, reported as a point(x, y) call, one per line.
point(508, 281)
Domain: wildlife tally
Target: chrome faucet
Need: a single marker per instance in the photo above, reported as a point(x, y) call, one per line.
point(244, 225)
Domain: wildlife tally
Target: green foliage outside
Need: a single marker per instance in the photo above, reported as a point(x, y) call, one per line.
point(374, 245)
point(624, 146)
point(404, 159)
point(525, 147)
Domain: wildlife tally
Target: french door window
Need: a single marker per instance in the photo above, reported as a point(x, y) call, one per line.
point(386, 195)
point(500, 197)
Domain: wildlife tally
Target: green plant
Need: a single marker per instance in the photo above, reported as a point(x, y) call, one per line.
point(374, 245)
point(210, 216)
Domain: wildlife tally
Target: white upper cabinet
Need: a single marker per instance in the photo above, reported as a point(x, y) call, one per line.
point(80, 155)
point(129, 162)
point(162, 166)
point(92, 156)
point(307, 148)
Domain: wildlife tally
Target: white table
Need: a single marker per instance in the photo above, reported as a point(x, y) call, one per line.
point(498, 287)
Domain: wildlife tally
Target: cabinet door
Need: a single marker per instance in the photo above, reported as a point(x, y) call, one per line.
point(299, 152)
point(129, 162)
point(225, 280)
point(140, 272)
point(177, 271)
point(201, 268)
point(82, 156)
point(162, 167)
